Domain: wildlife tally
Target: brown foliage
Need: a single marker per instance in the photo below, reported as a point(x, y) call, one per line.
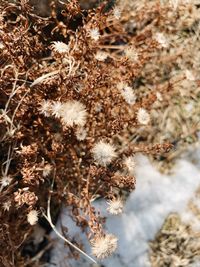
point(42, 142)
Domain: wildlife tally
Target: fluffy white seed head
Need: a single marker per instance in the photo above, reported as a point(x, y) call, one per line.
point(5, 180)
point(127, 93)
point(60, 47)
point(104, 246)
point(94, 34)
point(101, 55)
point(45, 108)
point(143, 116)
point(32, 217)
point(117, 12)
point(47, 170)
point(103, 153)
point(56, 109)
point(115, 206)
point(6, 205)
point(129, 163)
point(73, 113)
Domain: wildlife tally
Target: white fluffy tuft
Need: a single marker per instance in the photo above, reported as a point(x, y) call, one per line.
point(127, 93)
point(32, 217)
point(45, 108)
point(95, 34)
point(143, 116)
point(104, 246)
point(115, 206)
point(60, 47)
point(104, 153)
point(73, 113)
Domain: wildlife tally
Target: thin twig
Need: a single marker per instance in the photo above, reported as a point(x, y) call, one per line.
point(48, 218)
point(44, 77)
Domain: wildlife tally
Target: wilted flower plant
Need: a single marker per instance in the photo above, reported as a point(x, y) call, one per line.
point(67, 104)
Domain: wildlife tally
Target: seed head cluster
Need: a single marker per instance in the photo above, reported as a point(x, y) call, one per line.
point(71, 112)
point(115, 206)
point(103, 246)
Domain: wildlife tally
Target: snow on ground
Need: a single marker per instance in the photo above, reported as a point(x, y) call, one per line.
point(156, 195)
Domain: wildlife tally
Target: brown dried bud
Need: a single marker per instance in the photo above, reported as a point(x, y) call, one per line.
point(124, 181)
point(31, 175)
point(28, 150)
point(23, 196)
point(27, 175)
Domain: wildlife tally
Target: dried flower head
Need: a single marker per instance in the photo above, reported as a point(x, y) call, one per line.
point(101, 55)
point(73, 112)
point(60, 47)
point(24, 196)
point(117, 12)
point(45, 108)
point(56, 109)
point(143, 116)
point(127, 93)
point(103, 153)
point(103, 246)
point(6, 205)
point(47, 170)
point(28, 150)
point(5, 180)
point(32, 217)
point(115, 206)
point(94, 34)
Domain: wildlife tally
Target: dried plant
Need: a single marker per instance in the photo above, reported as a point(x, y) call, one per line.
point(176, 26)
point(176, 244)
point(68, 106)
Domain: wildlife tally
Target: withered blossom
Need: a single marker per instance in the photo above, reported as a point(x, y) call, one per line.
point(143, 116)
point(60, 47)
point(32, 217)
point(103, 153)
point(115, 206)
point(103, 246)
